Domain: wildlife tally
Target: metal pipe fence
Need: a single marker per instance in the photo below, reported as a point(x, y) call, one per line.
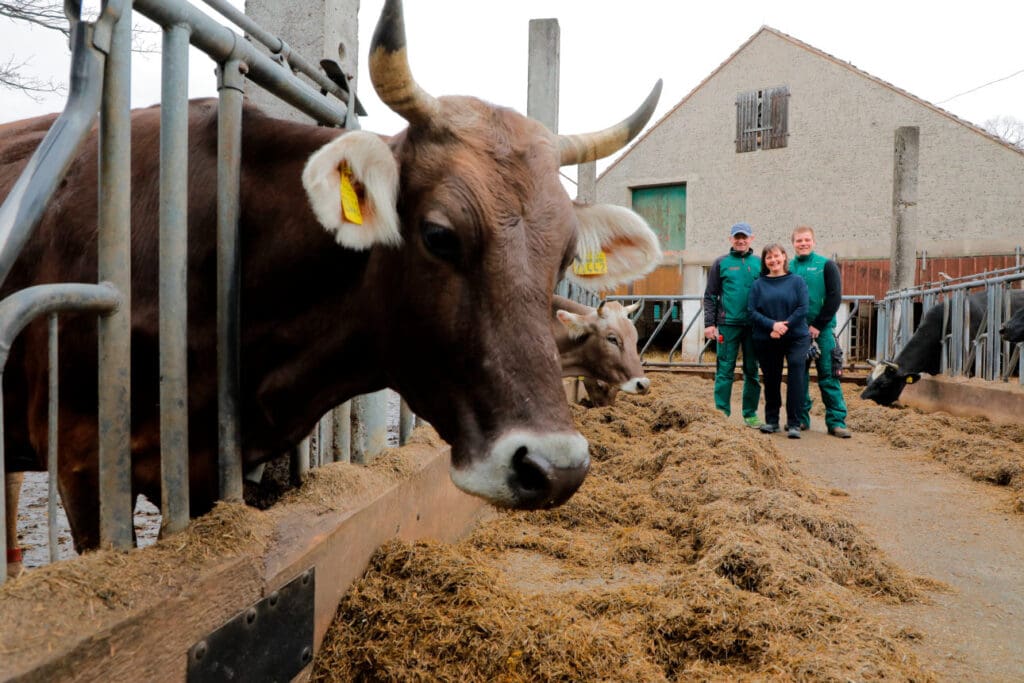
point(99, 87)
point(981, 354)
point(685, 312)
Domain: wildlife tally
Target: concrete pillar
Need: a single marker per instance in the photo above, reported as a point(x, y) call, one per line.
point(904, 207)
point(694, 282)
point(316, 29)
point(543, 70)
point(586, 182)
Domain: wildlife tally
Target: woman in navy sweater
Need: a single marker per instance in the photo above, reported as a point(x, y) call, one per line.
point(778, 311)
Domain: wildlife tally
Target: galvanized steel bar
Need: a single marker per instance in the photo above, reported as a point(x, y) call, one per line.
point(993, 315)
point(230, 88)
point(173, 279)
point(23, 207)
point(221, 44)
point(341, 446)
point(957, 336)
point(300, 461)
point(114, 246)
point(276, 45)
point(52, 440)
point(369, 413)
point(17, 311)
point(3, 487)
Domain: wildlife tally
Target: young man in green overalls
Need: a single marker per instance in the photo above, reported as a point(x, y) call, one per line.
point(825, 291)
point(725, 319)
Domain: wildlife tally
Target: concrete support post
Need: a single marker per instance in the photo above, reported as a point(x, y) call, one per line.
point(904, 207)
point(543, 70)
point(586, 182)
point(694, 282)
point(316, 29)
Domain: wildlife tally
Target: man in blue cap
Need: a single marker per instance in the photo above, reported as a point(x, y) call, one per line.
point(725, 319)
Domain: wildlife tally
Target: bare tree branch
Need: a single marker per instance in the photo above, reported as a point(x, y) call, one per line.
point(12, 78)
point(49, 14)
point(1009, 129)
point(45, 13)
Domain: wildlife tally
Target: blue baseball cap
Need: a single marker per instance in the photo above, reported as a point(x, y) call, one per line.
point(742, 229)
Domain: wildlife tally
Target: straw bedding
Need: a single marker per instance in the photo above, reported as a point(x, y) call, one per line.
point(691, 552)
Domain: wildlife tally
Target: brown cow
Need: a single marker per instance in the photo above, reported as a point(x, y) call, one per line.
point(599, 344)
point(459, 211)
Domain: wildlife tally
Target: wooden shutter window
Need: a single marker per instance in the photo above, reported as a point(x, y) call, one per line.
point(778, 108)
point(746, 121)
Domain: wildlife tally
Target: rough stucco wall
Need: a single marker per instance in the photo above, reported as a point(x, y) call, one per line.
point(836, 173)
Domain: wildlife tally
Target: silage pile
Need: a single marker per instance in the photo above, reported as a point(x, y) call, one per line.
point(975, 446)
point(691, 552)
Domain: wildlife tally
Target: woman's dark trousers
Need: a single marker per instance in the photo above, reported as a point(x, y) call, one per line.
point(771, 354)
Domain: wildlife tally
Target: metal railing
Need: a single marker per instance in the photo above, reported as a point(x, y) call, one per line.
point(686, 311)
point(982, 354)
point(99, 85)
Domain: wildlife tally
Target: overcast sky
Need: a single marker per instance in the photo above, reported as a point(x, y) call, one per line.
point(613, 52)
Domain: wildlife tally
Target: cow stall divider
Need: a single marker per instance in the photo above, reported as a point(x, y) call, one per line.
point(99, 85)
point(985, 354)
point(686, 312)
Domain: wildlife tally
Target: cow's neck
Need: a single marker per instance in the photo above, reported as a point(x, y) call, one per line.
point(307, 307)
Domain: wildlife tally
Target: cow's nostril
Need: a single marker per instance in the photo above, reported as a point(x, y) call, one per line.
point(532, 474)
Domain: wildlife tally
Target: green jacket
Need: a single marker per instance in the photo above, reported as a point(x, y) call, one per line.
point(824, 288)
point(729, 280)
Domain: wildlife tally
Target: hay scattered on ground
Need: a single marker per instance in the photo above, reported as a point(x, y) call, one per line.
point(975, 446)
point(53, 607)
point(692, 551)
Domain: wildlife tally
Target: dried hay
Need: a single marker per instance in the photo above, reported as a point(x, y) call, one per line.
point(974, 446)
point(692, 551)
point(51, 608)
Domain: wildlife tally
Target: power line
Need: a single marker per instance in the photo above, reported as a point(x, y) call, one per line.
point(968, 92)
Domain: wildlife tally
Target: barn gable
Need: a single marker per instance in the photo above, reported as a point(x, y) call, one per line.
point(783, 134)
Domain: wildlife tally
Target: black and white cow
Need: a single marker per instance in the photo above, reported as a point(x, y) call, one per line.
point(1013, 329)
point(923, 353)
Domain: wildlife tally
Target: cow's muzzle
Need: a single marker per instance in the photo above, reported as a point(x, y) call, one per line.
point(528, 471)
point(637, 385)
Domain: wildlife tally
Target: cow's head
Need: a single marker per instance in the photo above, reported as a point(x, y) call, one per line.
point(469, 228)
point(599, 394)
point(606, 346)
point(1013, 329)
point(886, 382)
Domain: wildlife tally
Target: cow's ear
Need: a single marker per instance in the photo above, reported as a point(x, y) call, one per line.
point(575, 324)
point(352, 185)
point(614, 246)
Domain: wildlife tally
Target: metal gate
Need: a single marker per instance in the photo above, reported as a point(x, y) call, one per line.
point(99, 85)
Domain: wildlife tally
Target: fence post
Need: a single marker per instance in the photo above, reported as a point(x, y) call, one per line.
point(173, 292)
point(114, 256)
point(230, 89)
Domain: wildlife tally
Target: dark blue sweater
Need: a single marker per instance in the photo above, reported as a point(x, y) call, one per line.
point(778, 298)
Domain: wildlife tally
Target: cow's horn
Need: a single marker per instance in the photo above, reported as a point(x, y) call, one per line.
point(890, 364)
point(578, 149)
point(389, 69)
point(872, 362)
point(600, 309)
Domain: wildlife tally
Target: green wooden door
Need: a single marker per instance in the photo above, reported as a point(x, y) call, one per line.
point(664, 208)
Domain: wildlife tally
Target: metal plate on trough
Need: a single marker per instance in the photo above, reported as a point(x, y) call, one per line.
point(270, 641)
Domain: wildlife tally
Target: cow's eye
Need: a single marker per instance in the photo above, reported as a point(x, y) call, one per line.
point(612, 339)
point(441, 241)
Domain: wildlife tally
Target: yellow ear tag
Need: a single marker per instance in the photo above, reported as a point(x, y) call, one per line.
point(910, 380)
point(349, 198)
point(595, 263)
